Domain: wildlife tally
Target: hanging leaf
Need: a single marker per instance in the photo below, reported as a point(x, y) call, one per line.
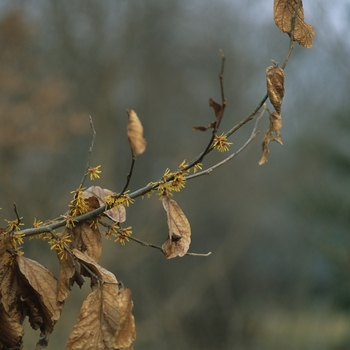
point(275, 86)
point(274, 128)
point(135, 133)
point(283, 13)
point(105, 320)
point(87, 238)
point(117, 214)
point(179, 239)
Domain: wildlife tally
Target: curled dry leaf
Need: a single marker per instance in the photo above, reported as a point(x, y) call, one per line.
point(105, 320)
point(275, 126)
point(40, 294)
point(275, 86)
point(87, 238)
point(27, 289)
point(135, 133)
point(117, 214)
point(283, 13)
point(179, 239)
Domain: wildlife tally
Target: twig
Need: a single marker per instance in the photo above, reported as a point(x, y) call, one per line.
point(251, 138)
point(146, 244)
point(291, 42)
point(90, 151)
point(16, 212)
point(128, 177)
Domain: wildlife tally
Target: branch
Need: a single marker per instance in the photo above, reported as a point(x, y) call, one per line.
point(146, 244)
point(250, 139)
point(90, 151)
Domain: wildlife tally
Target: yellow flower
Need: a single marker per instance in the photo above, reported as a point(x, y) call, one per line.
point(197, 167)
point(179, 181)
point(70, 221)
point(14, 225)
point(221, 144)
point(123, 235)
point(37, 223)
point(78, 204)
point(93, 172)
point(125, 199)
point(60, 245)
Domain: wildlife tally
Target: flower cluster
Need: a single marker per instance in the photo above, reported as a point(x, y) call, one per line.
point(121, 234)
point(78, 204)
point(60, 244)
point(94, 172)
point(221, 143)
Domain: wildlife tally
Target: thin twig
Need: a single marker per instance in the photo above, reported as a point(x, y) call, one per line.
point(251, 138)
point(128, 177)
point(90, 151)
point(291, 42)
point(146, 244)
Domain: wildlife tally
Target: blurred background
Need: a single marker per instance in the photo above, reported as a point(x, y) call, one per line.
point(279, 273)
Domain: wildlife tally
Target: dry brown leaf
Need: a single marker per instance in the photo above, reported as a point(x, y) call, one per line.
point(105, 320)
point(135, 133)
point(275, 86)
point(283, 13)
point(179, 239)
point(117, 214)
point(40, 295)
point(87, 238)
point(11, 331)
point(274, 127)
point(218, 110)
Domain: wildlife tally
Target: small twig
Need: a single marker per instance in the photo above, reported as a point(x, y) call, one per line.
point(251, 138)
point(90, 151)
point(128, 177)
point(16, 212)
point(291, 42)
point(146, 244)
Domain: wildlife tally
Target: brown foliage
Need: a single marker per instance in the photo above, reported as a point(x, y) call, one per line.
point(275, 126)
point(117, 214)
point(135, 133)
point(283, 14)
point(27, 289)
point(179, 239)
point(275, 86)
point(105, 320)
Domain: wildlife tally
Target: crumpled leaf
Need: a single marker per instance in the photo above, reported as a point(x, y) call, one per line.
point(40, 294)
point(135, 133)
point(27, 289)
point(70, 272)
point(117, 214)
point(275, 86)
point(274, 128)
point(87, 238)
point(179, 239)
point(11, 331)
point(283, 13)
point(105, 320)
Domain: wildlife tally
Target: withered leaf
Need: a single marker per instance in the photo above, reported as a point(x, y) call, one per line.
point(117, 214)
point(135, 133)
point(11, 331)
point(87, 238)
point(283, 14)
point(275, 86)
point(205, 128)
point(179, 239)
point(218, 110)
point(274, 127)
point(105, 320)
point(40, 296)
